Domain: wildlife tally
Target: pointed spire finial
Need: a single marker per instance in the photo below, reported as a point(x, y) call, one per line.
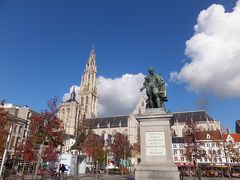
point(92, 51)
point(73, 94)
point(73, 90)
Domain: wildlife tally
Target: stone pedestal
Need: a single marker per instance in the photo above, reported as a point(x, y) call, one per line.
point(156, 147)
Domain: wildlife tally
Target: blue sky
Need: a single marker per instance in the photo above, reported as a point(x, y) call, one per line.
point(44, 46)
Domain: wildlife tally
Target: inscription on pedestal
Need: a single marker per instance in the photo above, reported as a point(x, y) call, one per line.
point(155, 144)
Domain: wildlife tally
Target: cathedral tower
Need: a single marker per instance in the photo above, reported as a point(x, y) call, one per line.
point(69, 112)
point(88, 97)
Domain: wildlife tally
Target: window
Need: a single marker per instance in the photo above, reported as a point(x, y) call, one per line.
point(182, 158)
point(215, 159)
point(20, 129)
point(208, 145)
point(139, 111)
point(82, 101)
point(24, 134)
point(174, 151)
point(175, 159)
point(15, 128)
point(181, 151)
point(213, 144)
point(208, 136)
point(29, 115)
point(174, 146)
point(63, 113)
point(26, 124)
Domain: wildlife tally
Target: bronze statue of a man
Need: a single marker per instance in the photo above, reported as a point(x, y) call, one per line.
point(155, 89)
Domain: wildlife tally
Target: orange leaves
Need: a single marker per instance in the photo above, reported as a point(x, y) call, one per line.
point(4, 128)
point(45, 128)
point(121, 146)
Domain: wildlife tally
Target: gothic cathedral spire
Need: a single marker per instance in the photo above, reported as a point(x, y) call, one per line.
point(88, 96)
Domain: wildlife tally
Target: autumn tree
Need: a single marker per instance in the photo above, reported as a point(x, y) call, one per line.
point(136, 150)
point(232, 151)
point(93, 147)
point(46, 134)
point(4, 128)
point(193, 148)
point(83, 131)
point(121, 148)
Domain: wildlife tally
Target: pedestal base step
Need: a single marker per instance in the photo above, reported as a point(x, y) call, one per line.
point(157, 173)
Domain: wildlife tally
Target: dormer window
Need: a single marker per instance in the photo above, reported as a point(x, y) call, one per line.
point(208, 136)
point(139, 111)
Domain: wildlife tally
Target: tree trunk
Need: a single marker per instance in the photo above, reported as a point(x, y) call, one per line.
point(38, 161)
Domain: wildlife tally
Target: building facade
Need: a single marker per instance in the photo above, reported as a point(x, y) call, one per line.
point(125, 124)
point(201, 118)
point(82, 103)
point(88, 95)
point(20, 117)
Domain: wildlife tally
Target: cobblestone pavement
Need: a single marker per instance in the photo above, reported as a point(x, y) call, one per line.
point(81, 177)
point(104, 177)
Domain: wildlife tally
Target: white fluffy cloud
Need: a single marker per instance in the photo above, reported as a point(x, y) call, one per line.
point(119, 96)
point(66, 96)
point(214, 52)
point(116, 96)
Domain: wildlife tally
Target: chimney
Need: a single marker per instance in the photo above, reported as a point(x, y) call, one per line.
point(228, 131)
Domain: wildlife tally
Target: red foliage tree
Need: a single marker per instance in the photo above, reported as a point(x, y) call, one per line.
point(27, 150)
point(4, 128)
point(193, 148)
point(45, 129)
point(121, 148)
point(93, 146)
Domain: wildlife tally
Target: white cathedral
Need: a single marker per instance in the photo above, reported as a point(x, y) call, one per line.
point(82, 103)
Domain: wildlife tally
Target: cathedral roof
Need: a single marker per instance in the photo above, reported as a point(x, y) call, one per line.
point(191, 115)
point(115, 121)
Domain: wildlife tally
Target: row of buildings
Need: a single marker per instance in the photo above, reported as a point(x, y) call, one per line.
point(82, 105)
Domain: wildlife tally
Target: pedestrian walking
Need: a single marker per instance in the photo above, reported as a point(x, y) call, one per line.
point(181, 175)
point(199, 174)
point(62, 169)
